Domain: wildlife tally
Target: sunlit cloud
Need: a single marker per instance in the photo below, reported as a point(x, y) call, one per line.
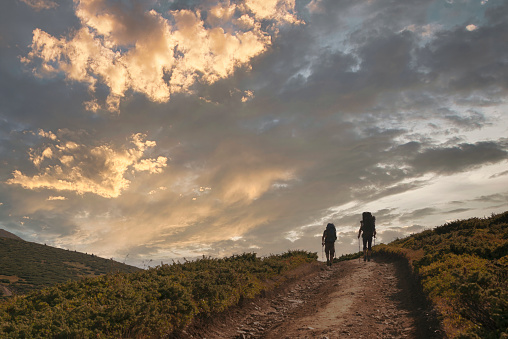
point(248, 96)
point(144, 51)
point(53, 198)
point(101, 170)
point(258, 128)
point(280, 10)
point(40, 4)
point(251, 185)
point(315, 6)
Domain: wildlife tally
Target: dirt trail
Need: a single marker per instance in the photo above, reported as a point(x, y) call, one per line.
point(352, 299)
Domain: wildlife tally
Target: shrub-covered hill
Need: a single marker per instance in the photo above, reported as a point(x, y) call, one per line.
point(463, 267)
point(6, 234)
point(27, 266)
point(151, 303)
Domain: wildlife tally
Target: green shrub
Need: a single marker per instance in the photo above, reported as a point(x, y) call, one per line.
point(151, 303)
point(463, 266)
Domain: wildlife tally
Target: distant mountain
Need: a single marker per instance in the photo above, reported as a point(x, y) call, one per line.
point(27, 266)
point(5, 234)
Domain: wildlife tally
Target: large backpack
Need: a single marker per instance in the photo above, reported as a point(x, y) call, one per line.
point(369, 223)
point(331, 233)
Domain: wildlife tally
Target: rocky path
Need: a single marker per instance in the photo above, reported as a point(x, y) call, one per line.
point(352, 299)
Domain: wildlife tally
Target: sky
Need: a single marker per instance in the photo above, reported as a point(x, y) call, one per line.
point(149, 131)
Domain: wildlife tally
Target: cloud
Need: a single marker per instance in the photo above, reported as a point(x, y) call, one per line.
point(475, 120)
point(278, 10)
point(395, 109)
point(52, 198)
point(101, 170)
point(499, 175)
point(142, 50)
point(448, 160)
point(462, 59)
point(315, 6)
point(40, 4)
point(471, 27)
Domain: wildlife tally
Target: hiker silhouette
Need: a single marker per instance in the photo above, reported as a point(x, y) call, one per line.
point(328, 241)
point(367, 231)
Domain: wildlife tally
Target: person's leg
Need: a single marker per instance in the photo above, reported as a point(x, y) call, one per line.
point(332, 253)
point(328, 254)
point(364, 248)
point(369, 251)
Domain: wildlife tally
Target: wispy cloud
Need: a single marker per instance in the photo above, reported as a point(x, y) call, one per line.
point(40, 4)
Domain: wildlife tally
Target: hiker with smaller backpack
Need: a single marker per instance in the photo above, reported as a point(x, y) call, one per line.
point(367, 231)
point(328, 241)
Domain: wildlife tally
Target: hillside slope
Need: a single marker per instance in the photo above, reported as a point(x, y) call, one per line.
point(463, 267)
point(27, 266)
point(9, 235)
point(150, 303)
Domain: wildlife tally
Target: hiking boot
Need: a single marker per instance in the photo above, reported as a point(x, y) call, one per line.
point(364, 258)
point(368, 259)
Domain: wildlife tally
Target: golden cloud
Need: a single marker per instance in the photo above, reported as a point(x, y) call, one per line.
point(143, 51)
point(52, 198)
point(250, 185)
point(100, 170)
point(40, 4)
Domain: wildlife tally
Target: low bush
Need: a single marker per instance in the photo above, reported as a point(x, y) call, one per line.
point(151, 303)
point(463, 267)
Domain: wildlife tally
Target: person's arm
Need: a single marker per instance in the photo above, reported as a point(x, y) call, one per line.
point(323, 238)
point(360, 230)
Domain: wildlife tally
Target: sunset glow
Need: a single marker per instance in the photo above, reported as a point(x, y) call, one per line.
point(159, 130)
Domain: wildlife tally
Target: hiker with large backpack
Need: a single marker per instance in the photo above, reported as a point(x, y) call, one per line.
point(328, 241)
point(367, 231)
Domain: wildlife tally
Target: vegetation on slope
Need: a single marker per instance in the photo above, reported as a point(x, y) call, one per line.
point(6, 234)
point(151, 303)
point(463, 267)
point(27, 266)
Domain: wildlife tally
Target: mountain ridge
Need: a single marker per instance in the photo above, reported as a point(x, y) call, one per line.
point(9, 235)
point(27, 266)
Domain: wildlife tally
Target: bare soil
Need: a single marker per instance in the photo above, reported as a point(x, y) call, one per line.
point(351, 299)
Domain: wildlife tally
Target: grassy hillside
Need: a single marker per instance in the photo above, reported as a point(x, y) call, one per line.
point(6, 234)
point(463, 267)
point(27, 266)
point(151, 303)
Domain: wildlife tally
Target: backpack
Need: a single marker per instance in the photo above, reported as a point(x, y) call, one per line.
point(331, 233)
point(369, 223)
